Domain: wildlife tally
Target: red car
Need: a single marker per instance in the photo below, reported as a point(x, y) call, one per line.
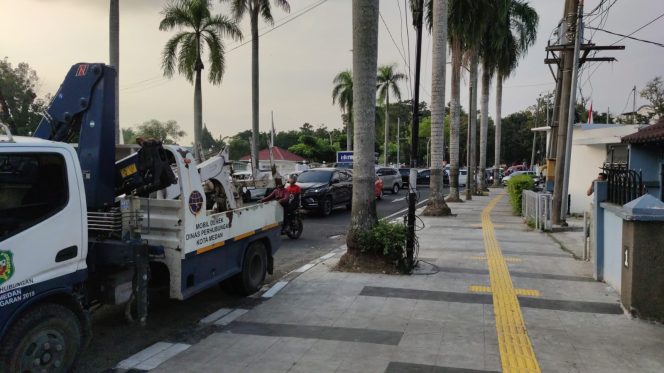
point(378, 187)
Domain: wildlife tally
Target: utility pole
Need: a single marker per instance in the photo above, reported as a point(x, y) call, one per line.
point(415, 127)
point(634, 106)
point(567, 58)
point(398, 141)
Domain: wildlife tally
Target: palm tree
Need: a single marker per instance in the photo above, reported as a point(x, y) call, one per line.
point(114, 57)
point(436, 205)
point(388, 80)
point(466, 25)
point(365, 62)
point(256, 9)
point(197, 28)
point(516, 31)
point(472, 125)
point(342, 93)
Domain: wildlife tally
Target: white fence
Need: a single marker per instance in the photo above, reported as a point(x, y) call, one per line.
point(536, 207)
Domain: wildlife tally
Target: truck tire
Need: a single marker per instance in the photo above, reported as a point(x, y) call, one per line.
point(45, 339)
point(254, 268)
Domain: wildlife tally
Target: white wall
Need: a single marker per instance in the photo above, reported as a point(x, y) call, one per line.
point(613, 249)
point(589, 152)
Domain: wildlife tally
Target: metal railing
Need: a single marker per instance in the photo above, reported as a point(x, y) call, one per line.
point(624, 185)
point(536, 207)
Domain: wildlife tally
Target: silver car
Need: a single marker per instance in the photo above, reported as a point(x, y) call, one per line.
point(391, 178)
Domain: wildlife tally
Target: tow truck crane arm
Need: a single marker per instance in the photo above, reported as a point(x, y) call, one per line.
point(83, 111)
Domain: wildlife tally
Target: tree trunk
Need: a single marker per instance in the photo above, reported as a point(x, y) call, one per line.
point(499, 106)
point(349, 130)
point(387, 124)
point(484, 124)
point(472, 128)
point(198, 113)
point(456, 122)
point(114, 57)
point(254, 90)
point(365, 63)
point(436, 205)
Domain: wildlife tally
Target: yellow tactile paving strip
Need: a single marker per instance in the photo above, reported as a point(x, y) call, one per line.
point(487, 289)
point(506, 258)
point(516, 351)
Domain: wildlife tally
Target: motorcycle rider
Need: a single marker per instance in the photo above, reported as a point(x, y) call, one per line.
point(287, 197)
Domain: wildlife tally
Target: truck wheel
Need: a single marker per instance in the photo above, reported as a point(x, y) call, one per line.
point(46, 339)
point(254, 268)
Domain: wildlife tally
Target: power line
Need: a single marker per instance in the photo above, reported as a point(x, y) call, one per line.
point(392, 38)
point(627, 36)
point(638, 29)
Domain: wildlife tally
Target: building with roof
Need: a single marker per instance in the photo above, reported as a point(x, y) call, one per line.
point(286, 162)
point(646, 155)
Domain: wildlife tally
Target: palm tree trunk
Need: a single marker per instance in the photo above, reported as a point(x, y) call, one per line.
point(387, 126)
point(114, 58)
point(198, 114)
point(365, 66)
point(436, 205)
point(456, 122)
point(484, 124)
point(254, 89)
point(499, 106)
point(472, 128)
point(349, 130)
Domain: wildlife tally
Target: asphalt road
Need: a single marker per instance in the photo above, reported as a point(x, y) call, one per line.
point(169, 320)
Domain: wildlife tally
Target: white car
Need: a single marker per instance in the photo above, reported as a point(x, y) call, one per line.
point(463, 176)
point(508, 177)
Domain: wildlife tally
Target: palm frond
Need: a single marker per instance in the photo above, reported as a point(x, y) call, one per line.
point(175, 15)
point(224, 25)
point(238, 8)
point(216, 56)
point(188, 56)
point(169, 54)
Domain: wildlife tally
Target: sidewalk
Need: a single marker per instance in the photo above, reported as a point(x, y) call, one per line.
point(445, 317)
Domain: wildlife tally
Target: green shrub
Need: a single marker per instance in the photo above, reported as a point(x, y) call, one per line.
point(385, 239)
point(515, 187)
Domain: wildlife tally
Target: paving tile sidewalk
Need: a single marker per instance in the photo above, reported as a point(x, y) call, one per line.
point(325, 321)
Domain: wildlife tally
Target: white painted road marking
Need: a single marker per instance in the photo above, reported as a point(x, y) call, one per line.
point(152, 356)
point(328, 256)
point(230, 317)
point(161, 357)
point(216, 315)
point(404, 210)
point(304, 268)
point(275, 289)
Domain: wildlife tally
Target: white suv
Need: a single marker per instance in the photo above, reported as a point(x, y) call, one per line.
point(391, 178)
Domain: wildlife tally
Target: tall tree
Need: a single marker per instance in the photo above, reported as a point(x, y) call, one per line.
point(365, 62)
point(168, 132)
point(472, 126)
point(114, 57)
point(256, 9)
point(388, 80)
point(20, 108)
point(197, 28)
point(516, 31)
point(342, 93)
point(436, 205)
point(654, 93)
point(466, 25)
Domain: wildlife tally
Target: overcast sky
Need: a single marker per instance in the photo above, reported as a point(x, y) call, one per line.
point(298, 60)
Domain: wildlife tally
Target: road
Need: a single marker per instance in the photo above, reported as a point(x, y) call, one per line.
point(169, 320)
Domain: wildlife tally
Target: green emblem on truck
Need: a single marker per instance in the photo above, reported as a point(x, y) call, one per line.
point(6, 266)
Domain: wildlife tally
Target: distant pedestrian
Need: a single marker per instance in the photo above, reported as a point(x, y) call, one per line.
point(600, 177)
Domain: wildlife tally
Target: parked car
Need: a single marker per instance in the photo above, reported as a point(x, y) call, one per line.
point(424, 177)
point(405, 175)
point(515, 168)
point(325, 188)
point(378, 187)
point(463, 176)
point(533, 174)
point(391, 178)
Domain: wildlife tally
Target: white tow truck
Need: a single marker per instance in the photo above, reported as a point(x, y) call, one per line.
point(78, 229)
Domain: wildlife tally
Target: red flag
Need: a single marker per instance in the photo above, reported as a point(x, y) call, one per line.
point(590, 114)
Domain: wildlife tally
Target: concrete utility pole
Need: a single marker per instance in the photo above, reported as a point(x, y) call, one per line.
point(634, 106)
point(114, 58)
point(572, 108)
point(567, 59)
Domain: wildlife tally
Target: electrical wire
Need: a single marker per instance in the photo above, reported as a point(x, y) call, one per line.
point(627, 36)
point(638, 29)
point(392, 38)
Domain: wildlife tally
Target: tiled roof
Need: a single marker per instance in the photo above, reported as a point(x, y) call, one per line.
point(279, 155)
point(650, 134)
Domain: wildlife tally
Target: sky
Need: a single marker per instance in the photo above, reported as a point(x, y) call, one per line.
point(299, 59)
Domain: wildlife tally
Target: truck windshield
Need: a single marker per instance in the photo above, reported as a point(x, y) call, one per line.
point(33, 186)
point(315, 177)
